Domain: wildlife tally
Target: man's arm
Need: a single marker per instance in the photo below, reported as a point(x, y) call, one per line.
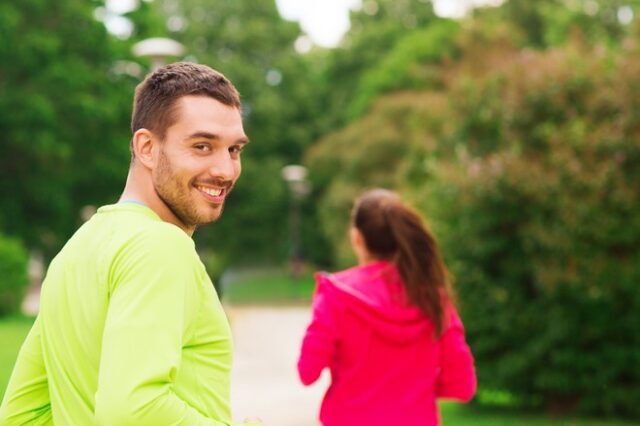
point(26, 400)
point(154, 296)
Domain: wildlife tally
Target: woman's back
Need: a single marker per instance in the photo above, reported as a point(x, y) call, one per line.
point(387, 365)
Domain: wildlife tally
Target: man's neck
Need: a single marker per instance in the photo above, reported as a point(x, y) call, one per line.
point(139, 189)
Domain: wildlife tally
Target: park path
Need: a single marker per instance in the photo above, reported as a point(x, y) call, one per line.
point(264, 381)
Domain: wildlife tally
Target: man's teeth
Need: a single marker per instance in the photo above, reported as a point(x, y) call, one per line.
point(211, 191)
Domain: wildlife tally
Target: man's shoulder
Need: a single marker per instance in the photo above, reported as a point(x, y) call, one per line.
point(135, 235)
point(160, 237)
point(135, 224)
point(154, 248)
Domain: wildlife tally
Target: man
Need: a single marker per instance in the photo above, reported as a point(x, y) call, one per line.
point(131, 331)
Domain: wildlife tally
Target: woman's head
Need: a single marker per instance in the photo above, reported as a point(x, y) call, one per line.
point(391, 230)
point(369, 217)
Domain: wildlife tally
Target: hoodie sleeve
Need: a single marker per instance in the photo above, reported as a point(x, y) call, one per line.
point(457, 378)
point(318, 345)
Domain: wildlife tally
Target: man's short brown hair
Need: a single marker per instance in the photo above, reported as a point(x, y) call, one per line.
point(155, 97)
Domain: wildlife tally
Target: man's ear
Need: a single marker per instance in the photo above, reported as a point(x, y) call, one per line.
point(143, 147)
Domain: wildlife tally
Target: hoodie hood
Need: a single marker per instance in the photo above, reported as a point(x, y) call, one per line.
point(375, 293)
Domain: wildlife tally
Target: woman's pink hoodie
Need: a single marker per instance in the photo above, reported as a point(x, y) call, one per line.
point(387, 367)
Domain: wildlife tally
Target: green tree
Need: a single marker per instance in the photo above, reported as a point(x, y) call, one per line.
point(13, 270)
point(540, 221)
point(546, 23)
point(413, 63)
point(375, 30)
point(63, 121)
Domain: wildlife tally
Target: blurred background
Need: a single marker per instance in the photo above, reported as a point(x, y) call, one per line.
point(513, 126)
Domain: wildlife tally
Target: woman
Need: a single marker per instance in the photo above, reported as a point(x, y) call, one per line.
point(387, 328)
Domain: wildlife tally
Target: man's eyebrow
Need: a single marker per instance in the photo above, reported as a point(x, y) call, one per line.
point(203, 135)
point(208, 135)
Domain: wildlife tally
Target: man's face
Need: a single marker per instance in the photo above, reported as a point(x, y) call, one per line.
point(199, 160)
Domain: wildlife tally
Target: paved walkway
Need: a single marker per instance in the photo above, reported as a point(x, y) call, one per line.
point(264, 381)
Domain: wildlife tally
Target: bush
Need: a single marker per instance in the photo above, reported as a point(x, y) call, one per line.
point(527, 164)
point(13, 275)
point(541, 225)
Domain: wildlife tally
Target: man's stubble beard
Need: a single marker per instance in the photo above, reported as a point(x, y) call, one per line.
point(177, 199)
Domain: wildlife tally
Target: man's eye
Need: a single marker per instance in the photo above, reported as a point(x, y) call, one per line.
point(237, 149)
point(202, 147)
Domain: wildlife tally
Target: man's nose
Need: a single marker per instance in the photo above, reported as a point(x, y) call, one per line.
point(223, 166)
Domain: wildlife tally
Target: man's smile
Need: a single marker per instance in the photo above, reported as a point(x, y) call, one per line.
point(214, 195)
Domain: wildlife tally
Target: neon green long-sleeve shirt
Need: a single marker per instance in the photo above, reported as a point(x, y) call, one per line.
point(130, 332)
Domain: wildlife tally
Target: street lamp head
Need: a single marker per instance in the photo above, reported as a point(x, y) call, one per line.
point(295, 176)
point(158, 46)
point(294, 173)
point(158, 49)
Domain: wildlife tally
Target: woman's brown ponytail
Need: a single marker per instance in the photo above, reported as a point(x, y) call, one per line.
point(392, 231)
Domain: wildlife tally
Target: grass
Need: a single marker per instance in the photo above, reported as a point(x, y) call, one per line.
point(13, 330)
point(267, 287)
point(465, 415)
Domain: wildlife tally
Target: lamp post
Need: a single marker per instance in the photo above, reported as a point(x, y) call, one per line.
point(295, 176)
point(158, 49)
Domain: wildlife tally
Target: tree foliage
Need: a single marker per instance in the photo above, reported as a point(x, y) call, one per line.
point(525, 162)
point(375, 30)
point(63, 122)
point(552, 22)
point(541, 226)
point(413, 63)
point(66, 112)
point(13, 270)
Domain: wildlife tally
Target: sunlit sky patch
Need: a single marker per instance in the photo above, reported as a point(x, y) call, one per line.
point(324, 22)
point(327, 21)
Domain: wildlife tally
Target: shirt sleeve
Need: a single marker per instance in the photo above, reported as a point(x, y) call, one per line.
point(319, 343)
point(457, 378)
point(154, 296)
point(26, 399)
